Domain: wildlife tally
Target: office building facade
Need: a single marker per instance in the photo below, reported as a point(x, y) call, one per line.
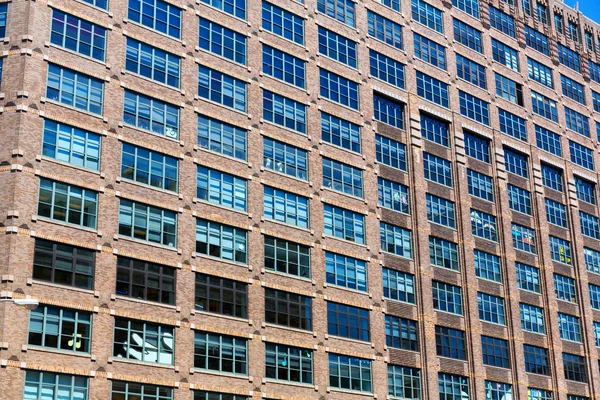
point(318, 199)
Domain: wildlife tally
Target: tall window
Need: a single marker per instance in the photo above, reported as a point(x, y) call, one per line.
point(285, 207)
point(432, 89)
point(344, 224)
point(221, 295)
point(345, 271)
point(440, 211)
point(393, 195)
point(540, 394)
point(429, 51)
point(528, 277)
point(477, 147)
point(447, 297)
point(532, 318)
point(592, 260)
point(388, 111)
point(536, 360)
point(505, 55)
point(497, 390)
point(387, 69)
point(122, 390)
point(516, 163)
point(287, 363)
point(71, 145)
point(283, 66)
point(236, 8)
point(574, 366)
point(3, 12)
point(390, 152)
point(470, 71)
point(220, 353)
point(145, 280)
point(523, 238)
point(152, 63)
point(556, 213)
point(401, 333)
point(221, 241)
point(404, 382)
point(342, 177)
point(443, 253)
point(540, 73)
point(564, 288)
point(467, 35)
point(221, 88)
point(474, 108)
point(284, 111)
point(149, 167)
point(581, 155)
point(287, 257)
point(398, 286)
point(544, 106)
point(282, 23)
point(483, 225)
point(594, 71)
point(384, 29)
point(568, 58)
point(148, 223)
point(491, 308)
point(469, 6)
point(221, 188)
point(594, 296)
point(155, 14)
point(288, 309)
point(348, 321)
point(435, 130)
point(509, 89)
point(60, 328)
point(451, 386)
point(338, 89)
point(285, 158)
point(337, 47)
point(536, 40)
point(502, 21)
point(548, 140)
point(590, 225)
point(340, 132)
point(552, 177)
point(396, 240)
point(63, 264)
point(428, 15)
point(495, 352)
point(341, 10)
point(157, 345)
point(572, 89)
point(150, 114)
point(480, 185)
point(222, 138)
point(48, 385)
point(224, 42)
point(519, 199)
point(437, 169)
point(560, 250)
point(577, 122)
point(351, 373)
point(74, 34)
point(512, 124)
point(569, 327)
point(487, 266)
point(75, 89)
point(450, 342)
point(67, 203)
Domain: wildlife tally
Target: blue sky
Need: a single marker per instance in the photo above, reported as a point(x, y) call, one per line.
point(588, 7)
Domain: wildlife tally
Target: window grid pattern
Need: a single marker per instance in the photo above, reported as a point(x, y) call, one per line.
point(404, 382)
point(428, 15)
point(450, 343)
point(537, 40)
point(42, 385)
point(75, 89)
point(474, 108)
point(447, 297)
point(516, 163)
point(544, 106)
point(390, 152)
point(60, 328)
point(581, 155)
point(284, 111)
point(512, 125)
point(63, 264)
point(437, 169)
point(505, 55)
point(536, 360)
point(450, 386)
point(284, 158)
point(287, 363)
point(388, 111)
point(221, 138)
point(519, 199)
point(145, 280)
point(487, 266)
point(401, 333)
point(132, 391)
point(156, 344)
point(67, 203)
point(288, 309)
point(528, 277)
point(484, 225)
point(344, 224)
point(340, 10)
point(564, 288)
point(467, 35)
point(429, 51)
point(351, 373)
point(149, 114)
point(491, 308)
point(155, 14)
point(286, 207)
point(345, 271)
point(149, 167)
point(337, 47)
point(152, 63)
point(592, 260)
point(432, 89)
point(387, 69)
point(396, 240)
point(148, 223)
point(569, 327)
point(572, 89)
point(495, 352)
point(339, 89)
point(560, 250)
point(398, 286)
point(443, 253)
point(73, 33)
point(220, 353)
point(540, 73)
point(221, 241)
point(556, 213)
point(480, 185)
point(71, 145)
point(440, 211)
point(286, 257)
point(470, 71)
point(393, 195)
point(590, 225)
point(339, 132)
point(548, 141)
point(574, 367)
point(384, 29)
point(552, 178)
point(284, 66)
point(502, 21)
point(282, 23)
point(221, 296)
point(577, 122)
point(221, 188)
point(221, 88)
point(568, 58)
point(532, 318)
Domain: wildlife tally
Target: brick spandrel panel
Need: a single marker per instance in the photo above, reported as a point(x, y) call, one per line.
point(26, 53)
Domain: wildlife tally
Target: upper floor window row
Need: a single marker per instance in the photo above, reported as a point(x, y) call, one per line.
point(71, 145)
point(76, 34)
point(282, 23)
point(155, 14)
point(222, 41)
point(75, 89)
point(428, 15)
point(384, 29)
point(341, 10)
point(237, 8)
point(152, 63)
